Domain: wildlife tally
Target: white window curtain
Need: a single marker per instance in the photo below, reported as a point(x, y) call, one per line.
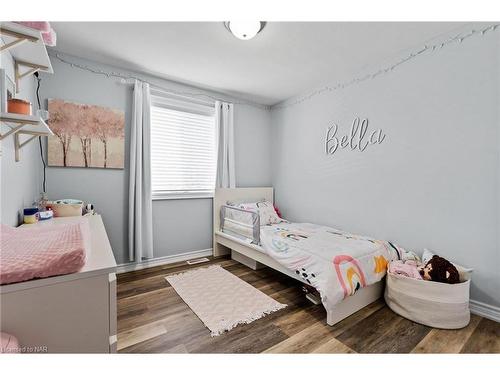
point(140, 216)
point(225, 145)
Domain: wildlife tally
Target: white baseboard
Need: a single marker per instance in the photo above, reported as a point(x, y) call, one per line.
point(127, 267)
point(485, 310)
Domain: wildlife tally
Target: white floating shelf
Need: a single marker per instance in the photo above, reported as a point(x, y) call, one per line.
point(29, 126)
point(27, 49)
point(18, 118)
point(40, 129)
point(24, 124)
point(32, 50)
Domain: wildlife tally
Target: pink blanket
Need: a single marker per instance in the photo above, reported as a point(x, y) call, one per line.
point(41, 251)
point(407, 268)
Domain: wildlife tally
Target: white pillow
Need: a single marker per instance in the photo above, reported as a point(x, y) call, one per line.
point(266, 212)
point(426, 256)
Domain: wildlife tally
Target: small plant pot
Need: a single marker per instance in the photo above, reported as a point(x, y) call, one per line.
point(19, 106)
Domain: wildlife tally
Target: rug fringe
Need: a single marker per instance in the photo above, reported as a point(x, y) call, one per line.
point(251, 319)
point(197, 269)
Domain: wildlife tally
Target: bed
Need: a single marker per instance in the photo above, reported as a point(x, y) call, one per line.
point(353, 289)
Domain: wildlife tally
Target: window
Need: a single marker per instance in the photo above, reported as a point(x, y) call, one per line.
point(183, 148)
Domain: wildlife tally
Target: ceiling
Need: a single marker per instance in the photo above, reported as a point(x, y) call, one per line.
point(285, 59)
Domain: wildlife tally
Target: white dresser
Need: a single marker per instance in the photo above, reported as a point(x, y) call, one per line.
point(74, 313)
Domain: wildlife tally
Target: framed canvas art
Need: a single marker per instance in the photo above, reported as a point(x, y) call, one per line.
point(87, 136)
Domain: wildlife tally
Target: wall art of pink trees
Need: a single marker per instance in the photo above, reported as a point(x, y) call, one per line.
point(85, 135)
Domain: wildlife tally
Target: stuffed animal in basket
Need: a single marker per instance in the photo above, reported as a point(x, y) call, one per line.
point(440, 270)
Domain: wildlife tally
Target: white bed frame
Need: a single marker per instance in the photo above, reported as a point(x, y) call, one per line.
point(253, 256)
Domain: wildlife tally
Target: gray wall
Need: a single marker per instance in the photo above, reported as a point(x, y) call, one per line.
point(179, 226)
point(20, 181)
point(433, 183)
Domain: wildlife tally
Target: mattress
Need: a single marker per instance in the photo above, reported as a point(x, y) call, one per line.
point(40, 251)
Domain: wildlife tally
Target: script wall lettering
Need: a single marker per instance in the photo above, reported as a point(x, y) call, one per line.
point(359, 138)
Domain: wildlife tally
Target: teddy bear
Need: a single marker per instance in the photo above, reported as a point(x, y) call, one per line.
point(440, 270)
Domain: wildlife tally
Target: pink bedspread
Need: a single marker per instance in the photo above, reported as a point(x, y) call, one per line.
point(41, 251)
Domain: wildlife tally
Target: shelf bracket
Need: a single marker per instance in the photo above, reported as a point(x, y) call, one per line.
point(19, 145)
point(20, 38)
point(12, 130)
point(33, 68)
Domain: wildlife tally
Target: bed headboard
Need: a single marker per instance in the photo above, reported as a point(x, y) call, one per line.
point(222, 195)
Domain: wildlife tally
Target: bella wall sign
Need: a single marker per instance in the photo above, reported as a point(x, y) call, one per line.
point(359, 138)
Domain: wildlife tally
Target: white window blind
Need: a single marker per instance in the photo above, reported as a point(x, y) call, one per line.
point(183, 154)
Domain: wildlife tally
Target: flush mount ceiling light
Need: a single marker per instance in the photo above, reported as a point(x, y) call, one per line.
point(244, 30)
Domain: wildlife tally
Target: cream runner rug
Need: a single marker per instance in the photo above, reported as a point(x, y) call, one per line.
point(220, 299)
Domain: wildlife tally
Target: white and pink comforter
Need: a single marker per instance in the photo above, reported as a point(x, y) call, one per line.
point(334, 262)
point(41, 251)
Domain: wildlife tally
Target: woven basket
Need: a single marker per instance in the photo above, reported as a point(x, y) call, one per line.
point(430, 303)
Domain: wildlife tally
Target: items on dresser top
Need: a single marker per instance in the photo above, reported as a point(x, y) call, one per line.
point(66, 207)
point(45, 215)
point(89, 209)
point(30, 215)
point(33, 214)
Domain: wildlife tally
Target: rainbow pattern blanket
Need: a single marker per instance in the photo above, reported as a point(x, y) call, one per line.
point(335, 262)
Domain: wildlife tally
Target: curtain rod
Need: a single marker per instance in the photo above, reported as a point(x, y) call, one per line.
point(162, 90)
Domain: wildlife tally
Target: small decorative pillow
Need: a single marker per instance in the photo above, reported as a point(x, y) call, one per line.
point(265, 210)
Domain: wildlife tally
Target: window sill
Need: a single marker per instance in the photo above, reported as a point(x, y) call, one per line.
point(174, 196)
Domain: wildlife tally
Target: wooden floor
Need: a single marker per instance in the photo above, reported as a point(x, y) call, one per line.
point(152, 318)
